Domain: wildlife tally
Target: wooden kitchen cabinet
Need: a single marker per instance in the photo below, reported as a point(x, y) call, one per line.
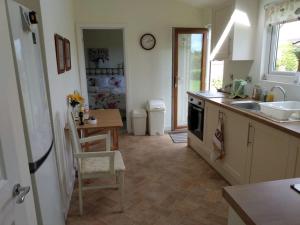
point(221, 17)
point(239, 42)
point(297, 160)
point(272, 155)
point(297, 168)
point(255, 152)
point(236, 148)
point(234, 165)
point(210, 125)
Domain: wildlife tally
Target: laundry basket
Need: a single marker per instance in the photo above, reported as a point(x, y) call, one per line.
point(156, 115)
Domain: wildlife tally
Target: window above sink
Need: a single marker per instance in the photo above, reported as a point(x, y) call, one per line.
point(284, 44)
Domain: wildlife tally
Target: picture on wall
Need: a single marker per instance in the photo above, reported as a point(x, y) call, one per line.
point(60, 57)
point(67, 53)
point(98, 54)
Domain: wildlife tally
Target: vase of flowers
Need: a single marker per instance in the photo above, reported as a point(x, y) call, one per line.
point(75, 100)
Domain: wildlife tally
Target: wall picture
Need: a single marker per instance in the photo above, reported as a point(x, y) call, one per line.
point(98, 54)
point(60, 58)
point(67, 53)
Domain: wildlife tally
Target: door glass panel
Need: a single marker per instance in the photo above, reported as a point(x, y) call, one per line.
point(189, 71)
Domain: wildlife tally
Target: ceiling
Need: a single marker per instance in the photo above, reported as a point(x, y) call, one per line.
point(204, 3)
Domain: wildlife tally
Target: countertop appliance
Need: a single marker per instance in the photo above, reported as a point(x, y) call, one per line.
point(36, 116)
point(196, 116)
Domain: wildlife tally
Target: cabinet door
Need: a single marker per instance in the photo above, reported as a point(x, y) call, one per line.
point(297, 172)
point(244, 37)
point(270, 154)
point(236, 146)
point(210, 125)
point(234, 167)
point(221, 17)
point(297, 167)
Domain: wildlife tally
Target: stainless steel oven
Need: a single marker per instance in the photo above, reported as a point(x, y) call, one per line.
point(196, 117)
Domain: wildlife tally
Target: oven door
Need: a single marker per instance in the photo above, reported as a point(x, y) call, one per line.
point(196, 120)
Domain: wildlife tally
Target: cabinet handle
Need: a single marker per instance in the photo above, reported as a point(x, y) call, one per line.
point(221, 115)
point(248, 137)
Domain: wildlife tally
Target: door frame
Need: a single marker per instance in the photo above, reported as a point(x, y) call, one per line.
point(81, 58)
point(176, 32)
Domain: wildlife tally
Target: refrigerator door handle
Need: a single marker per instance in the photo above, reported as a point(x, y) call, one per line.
point(34, 166)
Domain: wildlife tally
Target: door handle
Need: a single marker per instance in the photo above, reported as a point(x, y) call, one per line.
point(20, 193)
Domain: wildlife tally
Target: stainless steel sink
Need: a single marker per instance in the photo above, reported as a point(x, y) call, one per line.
point(249, 105)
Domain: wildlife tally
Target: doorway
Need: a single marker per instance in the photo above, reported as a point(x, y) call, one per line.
point(189, 70)
point(105, 72)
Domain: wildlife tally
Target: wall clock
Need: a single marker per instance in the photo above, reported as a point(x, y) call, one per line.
point(148, 41)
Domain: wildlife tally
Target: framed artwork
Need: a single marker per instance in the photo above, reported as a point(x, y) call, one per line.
point(60, 58)
point(98, 54)
point(67, 53)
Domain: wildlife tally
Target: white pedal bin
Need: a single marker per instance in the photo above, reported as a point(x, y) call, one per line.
point(156, 115)
point(139, 121)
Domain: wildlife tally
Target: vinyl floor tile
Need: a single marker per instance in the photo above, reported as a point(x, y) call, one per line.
point(165, 184)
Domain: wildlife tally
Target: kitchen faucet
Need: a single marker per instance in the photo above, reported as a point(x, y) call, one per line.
point(282, 90)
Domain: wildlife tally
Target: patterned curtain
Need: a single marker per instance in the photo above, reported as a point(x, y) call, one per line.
point(283, 11)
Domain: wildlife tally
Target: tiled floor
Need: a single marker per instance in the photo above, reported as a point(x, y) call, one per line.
point(166, 184)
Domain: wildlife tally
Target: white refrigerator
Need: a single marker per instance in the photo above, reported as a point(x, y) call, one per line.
point(36, 116)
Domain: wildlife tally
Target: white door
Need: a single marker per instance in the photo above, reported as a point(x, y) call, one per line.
point(13, 155)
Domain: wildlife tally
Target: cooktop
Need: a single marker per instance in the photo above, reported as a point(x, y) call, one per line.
point(210, 94)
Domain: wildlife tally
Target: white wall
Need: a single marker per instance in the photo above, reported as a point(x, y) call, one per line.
point(57, 17)
point(149, 73)
point(108, 38)
point(239, 70)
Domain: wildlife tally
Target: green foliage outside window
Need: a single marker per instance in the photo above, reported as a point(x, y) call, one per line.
point(286, 57)
point(217, 83)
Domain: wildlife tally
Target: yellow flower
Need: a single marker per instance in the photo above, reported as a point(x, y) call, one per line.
point(75, 97)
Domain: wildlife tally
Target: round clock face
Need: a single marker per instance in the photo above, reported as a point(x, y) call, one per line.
point(148, 41)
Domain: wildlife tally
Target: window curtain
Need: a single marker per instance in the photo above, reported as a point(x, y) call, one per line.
point(282, 11)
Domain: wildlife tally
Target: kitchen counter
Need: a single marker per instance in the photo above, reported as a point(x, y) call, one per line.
point(268, 203)
point(292, 128)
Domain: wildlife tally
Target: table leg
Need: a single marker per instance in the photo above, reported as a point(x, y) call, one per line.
point(83, 134)
point(87, 144)
point(115, 138)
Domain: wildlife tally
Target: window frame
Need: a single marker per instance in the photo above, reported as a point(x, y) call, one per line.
point(271, 53)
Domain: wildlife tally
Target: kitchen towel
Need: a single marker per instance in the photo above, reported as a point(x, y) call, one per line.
point(218, 151)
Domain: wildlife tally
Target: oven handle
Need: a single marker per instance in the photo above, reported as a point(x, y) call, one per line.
point(197, 108)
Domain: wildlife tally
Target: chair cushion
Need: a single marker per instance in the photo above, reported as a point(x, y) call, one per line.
point(101, 164)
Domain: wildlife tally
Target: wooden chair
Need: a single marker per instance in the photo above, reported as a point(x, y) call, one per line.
point(93, 165)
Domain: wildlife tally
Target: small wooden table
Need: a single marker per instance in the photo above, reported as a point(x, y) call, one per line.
point(107, 119)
